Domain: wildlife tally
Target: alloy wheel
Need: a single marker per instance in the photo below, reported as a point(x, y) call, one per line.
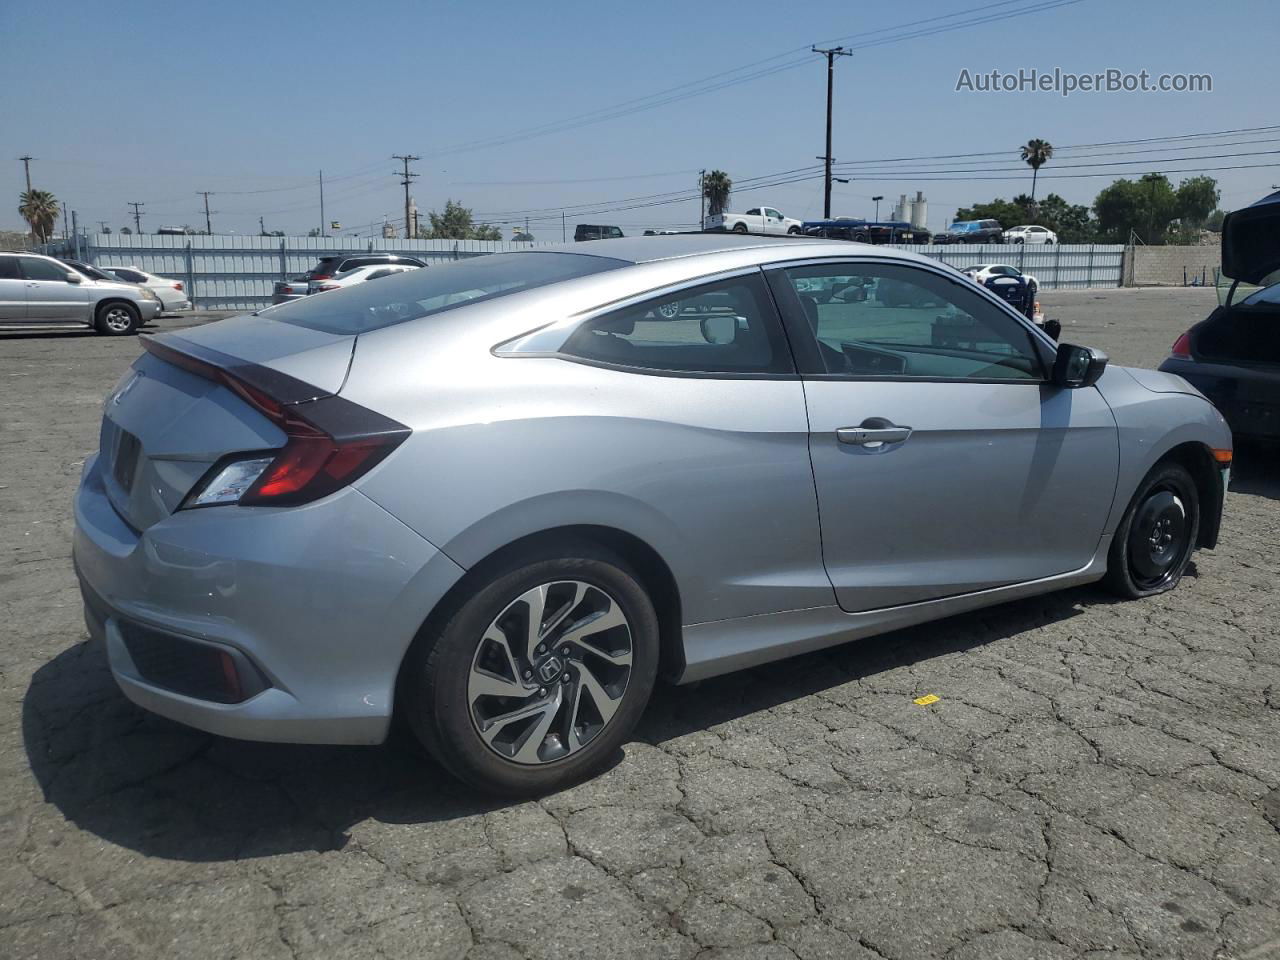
point(550, 672)
point(117, 319)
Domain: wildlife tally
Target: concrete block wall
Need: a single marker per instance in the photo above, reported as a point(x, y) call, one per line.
point(1163, 266)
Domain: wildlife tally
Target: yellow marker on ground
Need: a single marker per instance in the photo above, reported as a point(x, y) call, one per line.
point(926, 700)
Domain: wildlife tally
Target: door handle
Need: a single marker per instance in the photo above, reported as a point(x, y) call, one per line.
point(872, 436)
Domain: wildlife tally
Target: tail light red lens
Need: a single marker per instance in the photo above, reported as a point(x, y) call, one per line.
point(328, 286)
point(178, 285)
point(1182, 348)
point(331, 442)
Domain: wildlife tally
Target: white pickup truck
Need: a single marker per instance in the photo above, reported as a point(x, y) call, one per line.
point(755, 220)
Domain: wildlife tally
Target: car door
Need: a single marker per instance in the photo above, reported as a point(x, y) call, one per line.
point(944, 460)
point(13, 291)
point(773, 221)
point(50, 295)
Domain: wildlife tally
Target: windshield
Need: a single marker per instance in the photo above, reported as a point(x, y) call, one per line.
point(421, 293)
point(1246, 292)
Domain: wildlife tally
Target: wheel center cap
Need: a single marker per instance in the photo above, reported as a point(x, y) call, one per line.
point(550, 668)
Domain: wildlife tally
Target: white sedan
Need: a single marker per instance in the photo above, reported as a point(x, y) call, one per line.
point(1029, 234)
point(983, 272)
point(171, 293)
point(350, 278)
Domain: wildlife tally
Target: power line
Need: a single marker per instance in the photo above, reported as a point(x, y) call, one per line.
point(723, 79)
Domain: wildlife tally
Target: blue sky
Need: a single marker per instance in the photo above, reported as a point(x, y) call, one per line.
point(154, 101)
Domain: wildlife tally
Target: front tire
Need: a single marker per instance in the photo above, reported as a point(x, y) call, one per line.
point(117, 319)
point(793, 231)
point(1153, 543)
point(538, 677)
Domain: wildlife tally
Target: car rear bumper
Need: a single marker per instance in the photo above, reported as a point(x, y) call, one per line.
point(284, 624)
point(1248, 398)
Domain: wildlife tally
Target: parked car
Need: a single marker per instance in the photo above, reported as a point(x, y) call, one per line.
point(764, 220)
point(896, 231)
point(171, 293)
point(1233, 355)
point(595, 231)
point(330, 265)
point(971, 231)
point(500, 496)
point(1029, 234)
point(838, 228)
point(43, 290)
point(357, 275)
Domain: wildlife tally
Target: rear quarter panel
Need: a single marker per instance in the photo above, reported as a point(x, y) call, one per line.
point(713, 474)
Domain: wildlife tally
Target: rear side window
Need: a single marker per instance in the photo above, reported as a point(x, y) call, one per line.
point(421, 293)
point(9, 268)
point(34, 269)
point(728, 326)
point(133, 276)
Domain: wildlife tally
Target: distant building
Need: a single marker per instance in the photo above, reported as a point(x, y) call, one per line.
point(914, 212)
point(389, 231)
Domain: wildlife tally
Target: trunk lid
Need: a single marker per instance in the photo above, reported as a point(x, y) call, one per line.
point(1251, 241)
point(165, 426)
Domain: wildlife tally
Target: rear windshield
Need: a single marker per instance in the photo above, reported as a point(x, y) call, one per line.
point(421, 293)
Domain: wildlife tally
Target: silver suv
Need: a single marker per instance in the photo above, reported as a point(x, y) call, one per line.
point(42, 290)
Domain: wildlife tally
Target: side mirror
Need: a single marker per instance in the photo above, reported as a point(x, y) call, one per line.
point(1078, 366)
point(720, 329)
point(74, 277)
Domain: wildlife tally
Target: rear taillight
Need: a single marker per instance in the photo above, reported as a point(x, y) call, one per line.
point(320, 276)
point(330, 442)
point(1182, 348)
point(328, 286)
point(178, 285)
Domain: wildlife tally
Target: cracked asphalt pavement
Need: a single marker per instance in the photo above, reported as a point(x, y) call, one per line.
point(1097, 779)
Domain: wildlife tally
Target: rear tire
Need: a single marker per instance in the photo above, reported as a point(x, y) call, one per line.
point(497, 741)
point(117, 319)
point(739, 228)
point(1154, 541)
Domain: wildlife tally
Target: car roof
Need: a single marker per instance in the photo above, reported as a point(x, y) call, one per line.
point(670, 246)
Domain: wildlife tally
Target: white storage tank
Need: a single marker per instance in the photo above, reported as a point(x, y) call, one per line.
point(919, 211)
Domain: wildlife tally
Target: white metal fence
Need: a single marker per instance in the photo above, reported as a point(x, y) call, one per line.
point(236, 273)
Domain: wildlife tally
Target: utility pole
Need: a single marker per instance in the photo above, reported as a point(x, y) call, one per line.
point(102, 226)
point(564, 236)
point(137, 215)
point(26, 165)
point(262, 228)
point(208, 226)
point(407, 178)
point(831, 54)
point(877, 200)
point(66, 224)
point(322, 203)
point(702, 199)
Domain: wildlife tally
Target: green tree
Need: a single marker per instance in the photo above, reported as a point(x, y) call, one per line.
point(125, 231)
point(1009, 213)
point(1070, 221)
point(1035, 154)
point(1214, 221)
point(456, 223)
point(1197, 198)
point(40, 209)
point(1143, 206)
point(716, 187)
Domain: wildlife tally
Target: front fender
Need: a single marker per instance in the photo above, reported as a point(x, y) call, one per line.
point(1151, 424)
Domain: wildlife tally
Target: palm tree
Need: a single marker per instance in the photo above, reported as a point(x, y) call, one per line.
point(40, 209)
point(716, 187)
point(1036, 154)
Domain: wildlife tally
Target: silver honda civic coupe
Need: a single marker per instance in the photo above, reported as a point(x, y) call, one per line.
point(501, 496)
